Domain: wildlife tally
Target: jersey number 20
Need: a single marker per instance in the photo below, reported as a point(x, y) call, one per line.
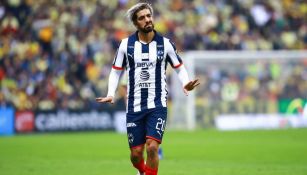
point(160, 124)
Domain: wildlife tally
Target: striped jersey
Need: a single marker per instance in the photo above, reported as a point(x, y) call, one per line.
point(146, 70)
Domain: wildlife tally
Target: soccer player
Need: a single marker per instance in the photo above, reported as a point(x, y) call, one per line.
point(145, 55)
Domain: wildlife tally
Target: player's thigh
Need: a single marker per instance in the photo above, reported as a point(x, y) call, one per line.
point(156, 123)
point(136, 131)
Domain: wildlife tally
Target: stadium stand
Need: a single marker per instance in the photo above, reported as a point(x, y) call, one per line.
point(57, 54)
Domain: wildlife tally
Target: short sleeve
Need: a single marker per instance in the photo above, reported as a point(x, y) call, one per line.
point(119, 62)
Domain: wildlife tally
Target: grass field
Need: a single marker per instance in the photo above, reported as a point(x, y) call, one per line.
point(207, 152)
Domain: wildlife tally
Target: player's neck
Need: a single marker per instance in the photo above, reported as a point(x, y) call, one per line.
point(146, 37)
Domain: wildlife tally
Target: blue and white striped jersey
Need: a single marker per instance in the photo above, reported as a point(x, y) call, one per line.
point(146, 70)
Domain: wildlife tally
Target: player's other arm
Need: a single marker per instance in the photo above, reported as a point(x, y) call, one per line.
point(118, 66)
point(188, 85)
point(113, 83)
point(177, 64)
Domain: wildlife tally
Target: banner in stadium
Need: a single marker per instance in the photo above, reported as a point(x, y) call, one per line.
point(76, 121)
point(259, 121)
point(293, 106)
point(24, 121)
point(6, 121)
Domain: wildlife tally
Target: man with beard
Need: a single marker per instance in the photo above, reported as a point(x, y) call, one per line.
point(145, 55)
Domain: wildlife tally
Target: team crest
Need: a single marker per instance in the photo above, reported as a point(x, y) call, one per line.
point(130, 138)
point(160, 54)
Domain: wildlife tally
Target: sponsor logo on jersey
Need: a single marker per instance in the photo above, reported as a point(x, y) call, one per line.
point(144, 75)
point(129, 55)
point(145, 64)
point(144, 85)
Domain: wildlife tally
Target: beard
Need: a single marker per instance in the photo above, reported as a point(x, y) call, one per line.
point(147, 28)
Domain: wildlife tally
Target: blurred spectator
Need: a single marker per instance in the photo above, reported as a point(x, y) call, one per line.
point(252, 87)
point(56, 54)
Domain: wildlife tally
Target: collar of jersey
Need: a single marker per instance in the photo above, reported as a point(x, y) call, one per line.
point(153, 39)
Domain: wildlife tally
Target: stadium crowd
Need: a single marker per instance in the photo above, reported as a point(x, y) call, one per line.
point(57, 54)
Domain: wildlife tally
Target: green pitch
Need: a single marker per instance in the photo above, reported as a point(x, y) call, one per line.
point(207, 152)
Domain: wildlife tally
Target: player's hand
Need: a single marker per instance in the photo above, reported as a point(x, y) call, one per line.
point(190, 86)
point(108, 99)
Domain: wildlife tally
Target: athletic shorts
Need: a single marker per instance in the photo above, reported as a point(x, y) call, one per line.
point(146, 124)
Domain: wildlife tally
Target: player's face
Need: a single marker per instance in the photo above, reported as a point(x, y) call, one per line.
point(144, 21)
